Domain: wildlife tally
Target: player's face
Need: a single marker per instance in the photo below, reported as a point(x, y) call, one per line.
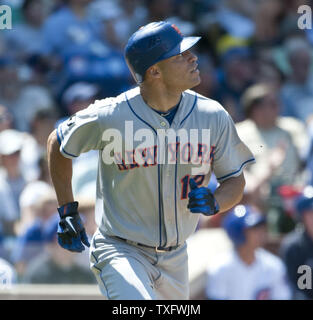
point(181, 71)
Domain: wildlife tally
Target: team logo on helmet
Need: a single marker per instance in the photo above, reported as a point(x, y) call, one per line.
point(154, 41)
point(176, 29)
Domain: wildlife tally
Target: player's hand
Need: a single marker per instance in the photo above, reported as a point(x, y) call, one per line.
point(71, 232)
point(201, 200)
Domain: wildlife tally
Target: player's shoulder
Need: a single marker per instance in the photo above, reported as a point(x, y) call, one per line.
point(110, 106)
point(270, 260)
point(102, 104)
point(205, 104)
point(129, 95)
point(102, 107)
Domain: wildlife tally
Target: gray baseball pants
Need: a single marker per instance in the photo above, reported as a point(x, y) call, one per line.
point(131, 272)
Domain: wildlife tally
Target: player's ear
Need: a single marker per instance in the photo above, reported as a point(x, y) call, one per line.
point(154, 72)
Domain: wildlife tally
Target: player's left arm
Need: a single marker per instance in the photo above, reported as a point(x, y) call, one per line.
point(227, 195)
point(230, 192)
point(230, 157)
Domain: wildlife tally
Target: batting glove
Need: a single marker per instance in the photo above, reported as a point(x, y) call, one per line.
point(201, 200)
point(71, 231)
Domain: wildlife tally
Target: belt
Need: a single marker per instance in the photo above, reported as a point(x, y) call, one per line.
point(156, 248)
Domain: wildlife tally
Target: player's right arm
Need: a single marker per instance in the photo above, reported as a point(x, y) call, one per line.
point(60, 169)
point(80, 133)
point(71, 232)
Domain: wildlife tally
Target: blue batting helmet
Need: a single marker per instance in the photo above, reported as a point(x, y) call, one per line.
point(305, 201)
point(238, 220)
point(152, 43)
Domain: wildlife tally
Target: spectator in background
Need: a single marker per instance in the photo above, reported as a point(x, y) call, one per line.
point(24, 39)
point(236, 17)
point(12, 180)
point(34, 148)
point(236, 74)
point(56, 265)
point(79, 96)
point(110, 16)
point(297, 92)
point(119, 19)
point(74, 44)
point(159, 10)
point(134, 16)
point(3, 47)
point(42, 122)
point(43, 170)
point(267, 18)
point(69, 30)
point(248, 272)
point(268, 72)
point(20, 95)
point(31, 203)
point(10, 83)
point(6, 120)
point(32, 99)
point(30, 243)
point(297, 247)
point(268, 137)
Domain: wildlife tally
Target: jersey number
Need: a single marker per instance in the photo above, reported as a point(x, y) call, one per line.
point(185, 184)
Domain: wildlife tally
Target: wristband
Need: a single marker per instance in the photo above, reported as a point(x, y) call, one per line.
point(68, 209)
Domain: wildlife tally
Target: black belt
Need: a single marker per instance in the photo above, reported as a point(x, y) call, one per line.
point(157, 249)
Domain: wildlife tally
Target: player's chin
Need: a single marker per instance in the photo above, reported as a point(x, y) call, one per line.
point(195, 80)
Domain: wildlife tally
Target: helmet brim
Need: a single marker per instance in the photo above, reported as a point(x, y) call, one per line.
point(184, 45)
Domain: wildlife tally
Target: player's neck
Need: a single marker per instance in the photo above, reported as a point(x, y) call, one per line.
point(159, 98)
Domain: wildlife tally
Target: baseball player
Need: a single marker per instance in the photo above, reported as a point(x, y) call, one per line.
point(158, 144)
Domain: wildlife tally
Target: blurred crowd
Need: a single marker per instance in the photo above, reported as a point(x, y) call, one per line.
point(61, 55)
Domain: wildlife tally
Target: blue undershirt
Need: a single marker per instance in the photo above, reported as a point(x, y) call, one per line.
point(170, 114)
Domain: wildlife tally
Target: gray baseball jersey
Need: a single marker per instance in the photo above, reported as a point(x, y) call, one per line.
point(145, 163)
